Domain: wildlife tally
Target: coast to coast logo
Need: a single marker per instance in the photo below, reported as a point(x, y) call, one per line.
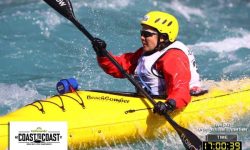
point(38, 135)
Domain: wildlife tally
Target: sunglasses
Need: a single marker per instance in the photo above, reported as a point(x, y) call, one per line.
point(146, 34)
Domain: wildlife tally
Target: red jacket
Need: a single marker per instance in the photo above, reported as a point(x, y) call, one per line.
point(174, 66)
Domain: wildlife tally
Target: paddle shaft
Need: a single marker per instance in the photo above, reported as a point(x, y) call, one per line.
point(81, 28)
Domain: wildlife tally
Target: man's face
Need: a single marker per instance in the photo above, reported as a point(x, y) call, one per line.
point(149, 38)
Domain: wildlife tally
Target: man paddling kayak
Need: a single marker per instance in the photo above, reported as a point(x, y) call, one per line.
point(162, 66)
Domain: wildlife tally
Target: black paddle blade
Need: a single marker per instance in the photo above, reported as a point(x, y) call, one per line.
point(64, 7)
point(189, 139)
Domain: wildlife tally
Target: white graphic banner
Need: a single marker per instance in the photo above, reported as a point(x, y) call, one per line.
point(38, 136)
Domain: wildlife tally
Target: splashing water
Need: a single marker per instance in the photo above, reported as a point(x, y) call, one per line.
point(39, 47)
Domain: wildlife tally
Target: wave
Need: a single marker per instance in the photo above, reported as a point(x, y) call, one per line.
point(15, 2)
point(13, 96)
point(226, 45)
point(181, 8)
point(106, 4)
point(103, 4)
point(186, 11)
point(239, 66)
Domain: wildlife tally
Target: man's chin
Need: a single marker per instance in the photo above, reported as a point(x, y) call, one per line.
point(147, 50)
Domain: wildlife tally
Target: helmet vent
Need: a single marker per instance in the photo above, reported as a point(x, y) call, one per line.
point(157, 20)
point(164, 21)
point(169, 24)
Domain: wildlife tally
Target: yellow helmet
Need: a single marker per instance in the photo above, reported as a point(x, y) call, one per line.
point(163, 22)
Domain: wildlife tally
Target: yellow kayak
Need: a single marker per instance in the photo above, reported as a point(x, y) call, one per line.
point(97, 118)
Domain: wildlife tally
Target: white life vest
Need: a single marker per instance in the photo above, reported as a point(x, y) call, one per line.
point(152, 81)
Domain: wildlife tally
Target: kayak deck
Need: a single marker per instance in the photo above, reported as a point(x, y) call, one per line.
point(98, 118)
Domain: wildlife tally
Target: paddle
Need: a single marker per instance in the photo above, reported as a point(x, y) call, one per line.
point(64, 7)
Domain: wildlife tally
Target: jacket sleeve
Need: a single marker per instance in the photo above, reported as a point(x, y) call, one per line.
point(128, 61)
point(174, 66)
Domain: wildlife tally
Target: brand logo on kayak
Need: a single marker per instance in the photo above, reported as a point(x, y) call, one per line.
point(189, 145)
point(61, 2)
point(38, 135)
point(107, 98)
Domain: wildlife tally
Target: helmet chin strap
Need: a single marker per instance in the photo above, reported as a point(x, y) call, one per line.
point(157, 48)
